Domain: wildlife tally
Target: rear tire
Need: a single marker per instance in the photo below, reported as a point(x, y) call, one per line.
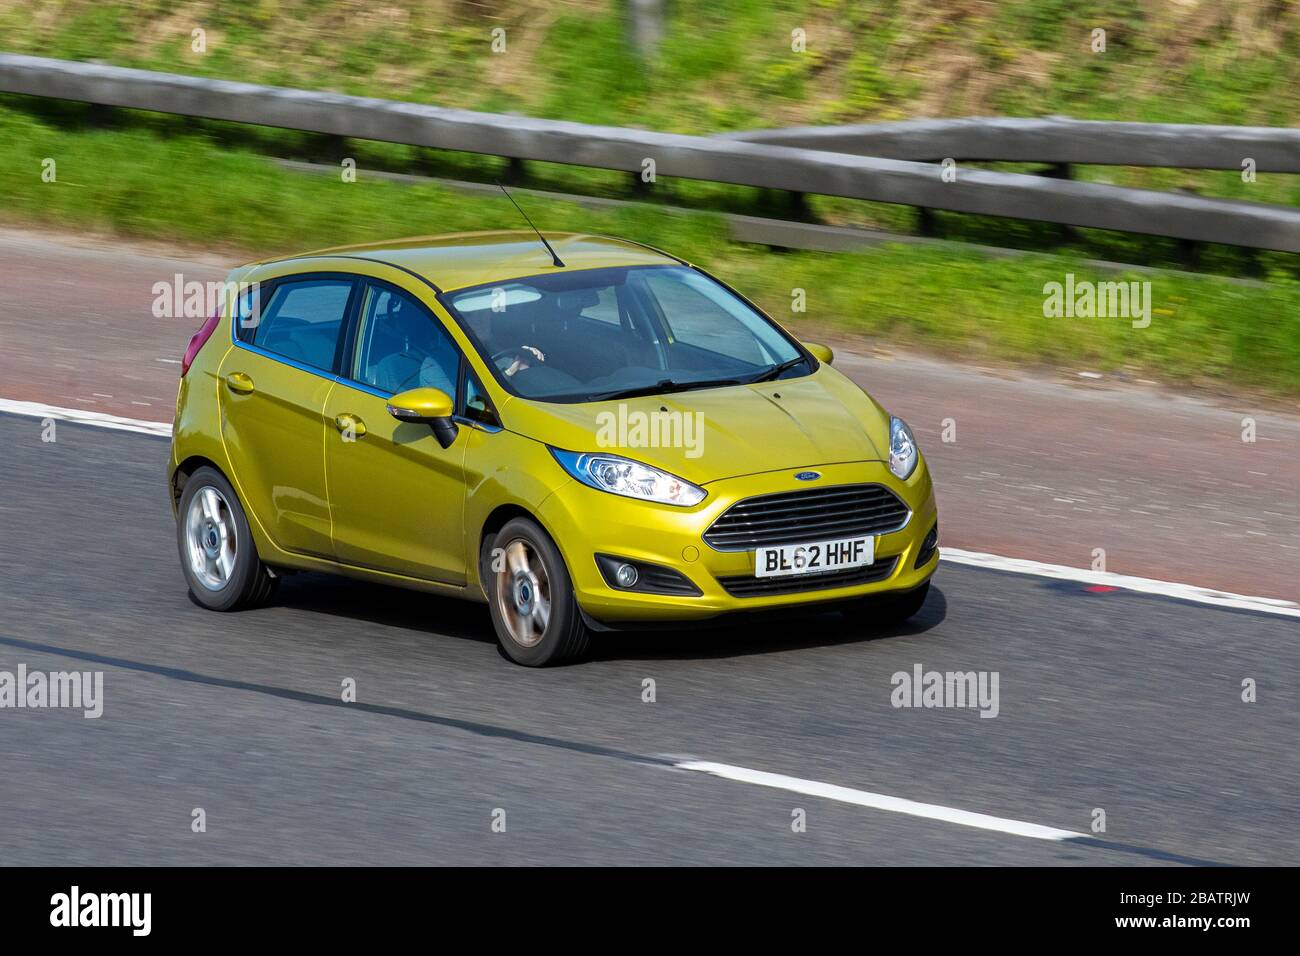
point(217, 553)
point(530, 596)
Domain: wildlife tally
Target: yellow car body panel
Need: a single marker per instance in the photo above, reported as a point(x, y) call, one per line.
point(820, 419)
point(583, 522)
point(466, 259)
point(396, 496)
point(275, 434)
point(391, 505)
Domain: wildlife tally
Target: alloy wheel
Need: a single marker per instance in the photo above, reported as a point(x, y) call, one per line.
point(523, 593)
point(210, 538)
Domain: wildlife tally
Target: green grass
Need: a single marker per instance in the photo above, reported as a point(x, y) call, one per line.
point(728, 64)
point(723, 64)
point(191, 188)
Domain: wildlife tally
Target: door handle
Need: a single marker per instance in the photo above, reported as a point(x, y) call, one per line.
point(345, 423)
point(239, 382)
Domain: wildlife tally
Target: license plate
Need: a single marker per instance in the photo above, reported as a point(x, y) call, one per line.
point(814, 557)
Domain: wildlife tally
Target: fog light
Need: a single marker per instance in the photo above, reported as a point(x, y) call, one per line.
point(624, 574)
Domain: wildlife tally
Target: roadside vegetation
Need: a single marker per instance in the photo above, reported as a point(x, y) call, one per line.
point(1205, 330)
point(722, 66)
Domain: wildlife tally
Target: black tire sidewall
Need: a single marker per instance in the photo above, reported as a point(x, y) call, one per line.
point(899, 608)
point(914, 600)
point(247, 565)
point(889, 609)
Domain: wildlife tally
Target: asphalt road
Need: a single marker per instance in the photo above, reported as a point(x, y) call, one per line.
point(1107, 700)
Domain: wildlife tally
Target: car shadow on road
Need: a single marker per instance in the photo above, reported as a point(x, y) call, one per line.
point(739, 636)
point(379, 604)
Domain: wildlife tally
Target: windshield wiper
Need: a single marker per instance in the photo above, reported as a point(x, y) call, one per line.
point(776, 370)
point(663, 386)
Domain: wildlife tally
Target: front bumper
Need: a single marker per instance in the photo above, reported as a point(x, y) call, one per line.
point(585, 522)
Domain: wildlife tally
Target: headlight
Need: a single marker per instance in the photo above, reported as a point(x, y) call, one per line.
point(902, 448)
point(622, 476)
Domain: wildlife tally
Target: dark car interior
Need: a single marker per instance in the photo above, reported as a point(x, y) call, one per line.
point(579, 336)
point(302, 321)
point(594, 339)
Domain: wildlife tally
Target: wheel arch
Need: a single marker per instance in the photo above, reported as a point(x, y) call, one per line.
point(182, 472)
point(497, 519)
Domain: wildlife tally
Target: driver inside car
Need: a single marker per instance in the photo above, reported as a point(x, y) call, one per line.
point(528, 356)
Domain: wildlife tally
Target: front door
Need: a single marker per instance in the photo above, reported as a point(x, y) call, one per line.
point(397, 497)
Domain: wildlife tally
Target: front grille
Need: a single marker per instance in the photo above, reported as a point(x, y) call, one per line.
point(793, 517)
point(746, 585)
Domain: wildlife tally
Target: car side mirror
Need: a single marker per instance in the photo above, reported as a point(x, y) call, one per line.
point(822, 353)
point(428, 406)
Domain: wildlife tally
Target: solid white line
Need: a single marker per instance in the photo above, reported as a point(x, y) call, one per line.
point(99, 419)
point(1183, 592)
point(879, 801)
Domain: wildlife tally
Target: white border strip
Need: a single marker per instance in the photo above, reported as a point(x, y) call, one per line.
point(879, 801)
point(1061, 572)
point(1183, 592)
point(99, 419)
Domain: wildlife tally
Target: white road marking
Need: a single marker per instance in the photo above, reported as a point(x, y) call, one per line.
point(1183, 592)
point(879, 801)
point(100, 419)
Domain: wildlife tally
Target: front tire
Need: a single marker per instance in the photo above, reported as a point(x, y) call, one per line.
point(216, 547)
point(889, 610)
point(530, 595)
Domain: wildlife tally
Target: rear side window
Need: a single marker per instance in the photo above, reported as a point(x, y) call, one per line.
point(303, 321)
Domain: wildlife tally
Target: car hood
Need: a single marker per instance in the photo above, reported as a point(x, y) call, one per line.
point(716, 433)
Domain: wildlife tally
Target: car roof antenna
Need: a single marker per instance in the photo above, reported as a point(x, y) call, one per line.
point(554, 258)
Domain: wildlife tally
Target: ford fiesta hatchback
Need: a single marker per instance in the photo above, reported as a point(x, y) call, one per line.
point(599, 438)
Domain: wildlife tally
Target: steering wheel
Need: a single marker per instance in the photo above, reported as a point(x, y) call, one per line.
point(503, 358)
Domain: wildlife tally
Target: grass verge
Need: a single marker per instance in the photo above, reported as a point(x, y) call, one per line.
point(1205, 330)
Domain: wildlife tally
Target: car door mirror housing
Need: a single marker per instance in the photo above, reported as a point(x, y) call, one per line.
point(427, 406)
point(822, 353)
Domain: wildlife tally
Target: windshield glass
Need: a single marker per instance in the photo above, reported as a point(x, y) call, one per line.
point(610, 333)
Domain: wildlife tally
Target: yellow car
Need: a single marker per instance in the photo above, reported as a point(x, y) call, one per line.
point(589, 436)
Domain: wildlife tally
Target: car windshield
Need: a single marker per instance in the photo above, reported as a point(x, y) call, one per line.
point(613, 333)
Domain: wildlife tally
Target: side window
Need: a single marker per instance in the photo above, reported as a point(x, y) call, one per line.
point(401, 345)
point(303, 319)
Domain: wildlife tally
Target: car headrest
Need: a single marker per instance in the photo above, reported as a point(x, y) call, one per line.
point(574, 301)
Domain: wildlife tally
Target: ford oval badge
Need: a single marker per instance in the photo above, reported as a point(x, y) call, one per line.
point(807, 476)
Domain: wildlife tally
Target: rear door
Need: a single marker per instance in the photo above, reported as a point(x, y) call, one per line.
point(274, 387)
point(396, 495)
